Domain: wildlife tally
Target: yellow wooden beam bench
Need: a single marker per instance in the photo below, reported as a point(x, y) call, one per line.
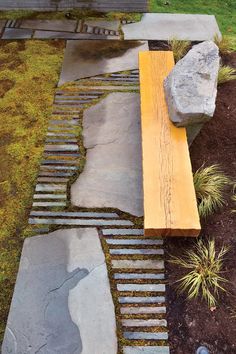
point(170, 206)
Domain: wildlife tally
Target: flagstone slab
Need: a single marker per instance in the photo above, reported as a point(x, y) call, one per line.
point(147, 350)
point(90, 58)
point(112, 176)
point(17, 33)
point(50, 25)
point(110, 25)
point(56, 306)
point(162, 26)
point(67, 35)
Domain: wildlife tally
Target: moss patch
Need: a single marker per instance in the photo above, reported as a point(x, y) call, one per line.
point(28, 75)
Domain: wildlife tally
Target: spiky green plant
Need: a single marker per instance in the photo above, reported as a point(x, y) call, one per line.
point(179, 48)
point(209, 183)
point(224, 44)
point(205, 268)
point(226, 73)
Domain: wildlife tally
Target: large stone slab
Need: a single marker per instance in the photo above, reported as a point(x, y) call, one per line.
point(56, 306)
point(166, 26)
point(17, 33)
point(112, 176)
point(89, 58)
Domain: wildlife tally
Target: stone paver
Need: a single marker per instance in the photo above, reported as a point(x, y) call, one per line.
point(17, 33)
point(146, 335)
point(122, 232)
point(135, 242)
point(141, 299)
point(138, 264)
point(142, 310)
point(144, 323)
point(73, 214)
point(155, 26)
point(157, 276)
point(141, 287)
point(54, 297)
point(89, 58)
point(112, 176)
point(146, 350)
point(111, 25)
point(67, 35)
point(80, 222)
point(129, 251)
point(50, 25)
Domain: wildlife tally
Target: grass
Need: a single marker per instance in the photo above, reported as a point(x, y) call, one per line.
point(28, 74)
point(179, 48)
point(78, 14)
point(224, 44)
point(224, 10)
point(204, 267)
point(209, 183)
point(226, 73)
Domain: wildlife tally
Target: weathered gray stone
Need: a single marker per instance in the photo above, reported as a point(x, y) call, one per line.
point(141, 287)
point(50, 187)
point(162, 26)
point(158, 276)
point(141, 310)
point(49, 204)
point(17, 33)
point(135, 242)
point(50, 196)
point(79, 222)
point(135, 264)
point(67, 35)
point(112, 176)
point(56, 306)
point(66, 147)
point(146, 335)
point(191, 88)
point(146, 350)
point(50, 25)
point(52, 179)
point(74, 214)
point(58, 162)
point(2, 24)
point(123, 232)
point(144, 323)
point(55, 167)
point(111, 25)
point(141, 299)
point(143, 251)
point(90, 58)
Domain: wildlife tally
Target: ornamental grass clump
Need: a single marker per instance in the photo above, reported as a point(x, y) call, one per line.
point(224, 44)
point(226, 73)
point(204, 266)
point(210, 183)
point(179, 48)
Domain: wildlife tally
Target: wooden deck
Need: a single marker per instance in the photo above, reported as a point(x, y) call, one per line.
point(170, 206)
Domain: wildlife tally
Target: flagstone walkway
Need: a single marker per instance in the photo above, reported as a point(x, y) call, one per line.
point(134, 263)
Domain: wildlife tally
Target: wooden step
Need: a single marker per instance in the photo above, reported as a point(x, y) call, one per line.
point(170, 206)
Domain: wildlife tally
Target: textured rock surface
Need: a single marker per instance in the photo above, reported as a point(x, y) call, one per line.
point(191, 88)
point(112, 176)
point(167, 26)
point(89, 58)
point(56, 306)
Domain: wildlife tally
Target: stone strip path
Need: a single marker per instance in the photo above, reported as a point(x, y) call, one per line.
point(67, 29)
point(98, 5)
point(135, 263)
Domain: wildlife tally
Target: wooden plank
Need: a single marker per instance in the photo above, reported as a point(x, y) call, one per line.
point(170, 206)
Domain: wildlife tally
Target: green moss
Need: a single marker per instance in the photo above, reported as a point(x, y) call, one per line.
point(32, 69)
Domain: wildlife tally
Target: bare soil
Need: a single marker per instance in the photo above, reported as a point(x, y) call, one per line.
point(191, 323)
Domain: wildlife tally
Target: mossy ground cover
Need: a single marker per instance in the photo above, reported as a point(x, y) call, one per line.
point(29, 73)
point(224, 10)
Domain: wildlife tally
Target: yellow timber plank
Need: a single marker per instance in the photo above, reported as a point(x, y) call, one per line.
point(170, 206)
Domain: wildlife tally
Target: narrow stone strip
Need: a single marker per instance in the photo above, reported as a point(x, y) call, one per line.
point(137, 264)
point(136, 242)
point(144, 323)
point(80, 222)
point(136, 276)
point(122, 232)
point(50, 196)
point(49, 204)
point(146, 350)
point(141, 287)
point(74, 214)
point(141, 299)
point(50, 187)
point(146, 335)
point(142, 310)
point(129, 251)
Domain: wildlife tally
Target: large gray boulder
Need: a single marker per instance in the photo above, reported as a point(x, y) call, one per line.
point(191, 88)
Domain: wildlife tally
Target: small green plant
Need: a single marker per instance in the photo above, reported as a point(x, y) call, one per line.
point(179, 48)
point(204, 266)
point(226, 73)
point(209, 183)
point(224, 44)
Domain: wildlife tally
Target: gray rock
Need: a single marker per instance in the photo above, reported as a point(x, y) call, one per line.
point(146, 335)
point(123, 232)
point(137, 264)
point(143, 323)
point(143, 251)
point(50, 25)
point(112, 176)
point(79, 222)
point(155, 26)
point(110, 25)
point(56, 306)
point(191, 88)
point(141, 299)
point(17, 33)
point(135, 276)
point(141, 287)
point(141, 310)
point(89, 58)
point(135, 242)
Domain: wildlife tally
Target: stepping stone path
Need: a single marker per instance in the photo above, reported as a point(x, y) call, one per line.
point(70, 265)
